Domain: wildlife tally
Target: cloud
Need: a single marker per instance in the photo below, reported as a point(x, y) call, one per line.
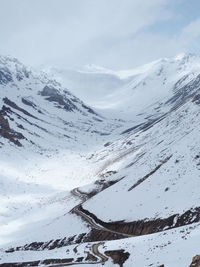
point(190, 36)
point(113, 33)
point(192, 30)
point(73, 32)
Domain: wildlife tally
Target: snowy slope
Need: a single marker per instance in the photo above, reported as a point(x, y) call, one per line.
point(163, 162)
point(38, 108)
point(102, 194)
point(45, 136)
point(131, 94)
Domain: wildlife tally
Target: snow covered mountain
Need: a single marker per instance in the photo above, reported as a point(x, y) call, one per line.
point(91, 83)
point(90, 190)
point(35, 108)
point(132, 94)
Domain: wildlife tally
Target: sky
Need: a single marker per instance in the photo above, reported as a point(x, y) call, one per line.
point(116, 34)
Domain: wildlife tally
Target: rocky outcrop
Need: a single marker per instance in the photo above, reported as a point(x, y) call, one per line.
point(195, 261)
point(15, 106)
point(196, 99)
point(61, 262)
point(8, 133)
point(118, 256)
point(53, 95)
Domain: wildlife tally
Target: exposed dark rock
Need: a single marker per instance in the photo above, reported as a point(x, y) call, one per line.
point(28, 102)
point(20, 264)
point(56, 261)
point(107, 144)
point(146, 125)
point(132, 129)
point(196, 99)
point(118, 256)
point(89, 110)
point(5, 111)
point(8, 133)
point(20, 126)
point(195, 261)
point(4, 123)
point(26, 72)
point(19, 76)
point(91, 257)
point(5, 76)
point(15, 106)
point(38, 263)
point(181, 94)
point(100, 133)
point(101, 235)
point(79, 259)
point(53, 95)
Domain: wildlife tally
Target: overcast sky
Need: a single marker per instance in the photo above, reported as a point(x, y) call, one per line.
point(117, 34)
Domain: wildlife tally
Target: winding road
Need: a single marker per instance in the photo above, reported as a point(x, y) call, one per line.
point(83, 196)
point(95, 251)
point(76, 192)
point(95, 247)
point(94, 225)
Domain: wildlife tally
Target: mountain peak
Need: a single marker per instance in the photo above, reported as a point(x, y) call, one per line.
point(186, 56)
point(7, 59)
